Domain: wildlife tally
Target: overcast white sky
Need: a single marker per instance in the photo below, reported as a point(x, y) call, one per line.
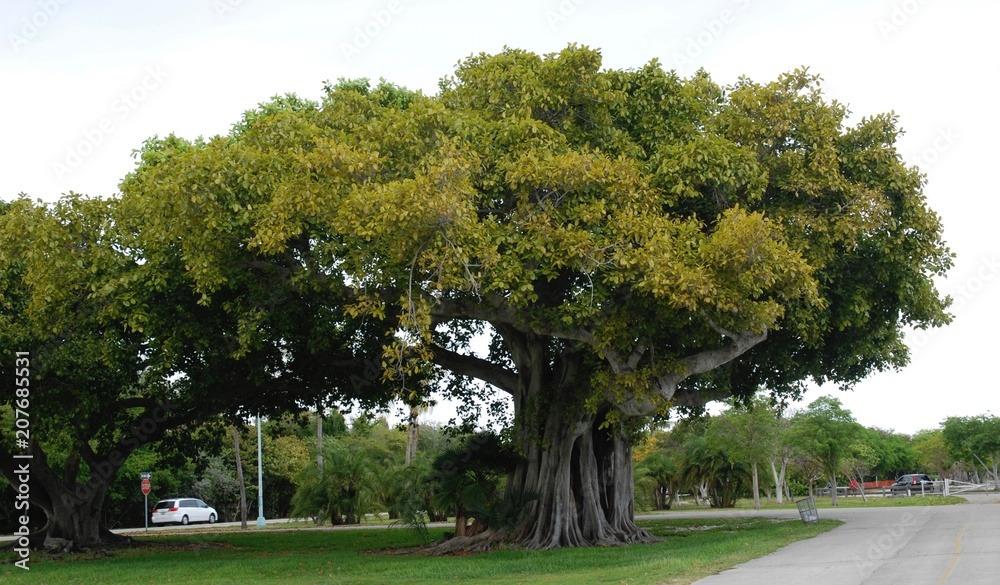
point(84, 83)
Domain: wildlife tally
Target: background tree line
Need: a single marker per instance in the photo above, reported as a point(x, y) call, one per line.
point(752, 449)
point(746, 451)
point(354, 470)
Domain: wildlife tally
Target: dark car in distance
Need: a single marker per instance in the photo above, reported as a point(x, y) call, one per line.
point(911, 479)
point(914, 483)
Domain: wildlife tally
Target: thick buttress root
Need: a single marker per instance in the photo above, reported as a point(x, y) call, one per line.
point(491, 540)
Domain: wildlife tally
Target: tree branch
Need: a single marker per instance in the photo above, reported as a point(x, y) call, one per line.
point(492, 308)
point(467, 365)
point(628, 365)
point(699, 363)
point(579, 334)
point(516, 344)
point(107, 413)
point(702, 362)
point(690, 397)
point(495, 310)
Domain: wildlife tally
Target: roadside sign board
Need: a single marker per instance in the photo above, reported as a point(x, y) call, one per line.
point(146, 487)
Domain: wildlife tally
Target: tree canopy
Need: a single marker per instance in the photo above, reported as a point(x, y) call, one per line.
point(627, 240)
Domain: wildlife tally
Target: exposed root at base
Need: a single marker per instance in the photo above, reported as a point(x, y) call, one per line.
point(485, 541)
point(491, 540)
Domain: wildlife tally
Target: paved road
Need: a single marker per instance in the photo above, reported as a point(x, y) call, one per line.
point(272, 523)
point(199, 527)
point(941, 545)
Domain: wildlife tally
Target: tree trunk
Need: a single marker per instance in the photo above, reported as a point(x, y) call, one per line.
point(756, 487)
point(991, 469)
point(861, 487)
point(73, 509)
point(779, 479)
point(673, 497)
point(582, 478)
point(777, 482)
point(319, 440)
point(72, 506)
point(460, 521)
point(574, 483)
point(75, 525)
point(833, 489)
point(239, 478)
point(412, 434)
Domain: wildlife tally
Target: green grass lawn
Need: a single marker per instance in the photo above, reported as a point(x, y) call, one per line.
point(690, 549)
point(857, 502)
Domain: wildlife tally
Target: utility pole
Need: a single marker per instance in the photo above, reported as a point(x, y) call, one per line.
point(260, 478)
point(239, 474)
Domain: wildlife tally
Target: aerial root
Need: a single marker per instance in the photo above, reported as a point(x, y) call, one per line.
point(483, 542)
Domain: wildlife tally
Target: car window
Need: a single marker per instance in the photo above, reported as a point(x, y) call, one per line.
point(201, 504)
point(164, 504)
point(189, 504)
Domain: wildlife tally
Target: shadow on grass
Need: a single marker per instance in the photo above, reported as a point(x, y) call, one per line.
point(689, 550)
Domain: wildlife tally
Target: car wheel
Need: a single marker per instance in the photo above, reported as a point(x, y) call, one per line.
point(211, 518)
point(184, 520)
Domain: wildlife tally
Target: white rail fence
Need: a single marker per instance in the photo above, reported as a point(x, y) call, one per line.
point(948, 487)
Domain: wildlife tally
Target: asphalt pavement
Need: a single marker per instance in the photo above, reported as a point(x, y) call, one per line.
point(925, 545)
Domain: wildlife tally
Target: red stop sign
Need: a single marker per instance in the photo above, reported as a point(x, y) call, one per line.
point(146, 487)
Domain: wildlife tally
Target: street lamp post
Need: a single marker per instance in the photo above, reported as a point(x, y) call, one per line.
point(260, 478)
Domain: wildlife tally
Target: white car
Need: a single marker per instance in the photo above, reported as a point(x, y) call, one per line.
point(183, 511)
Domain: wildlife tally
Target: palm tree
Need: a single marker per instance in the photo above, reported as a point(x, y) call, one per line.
point(469, 478)
point(662, 473)
point(705, 463)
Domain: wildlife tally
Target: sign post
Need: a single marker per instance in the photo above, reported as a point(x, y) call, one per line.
point(146, 487)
